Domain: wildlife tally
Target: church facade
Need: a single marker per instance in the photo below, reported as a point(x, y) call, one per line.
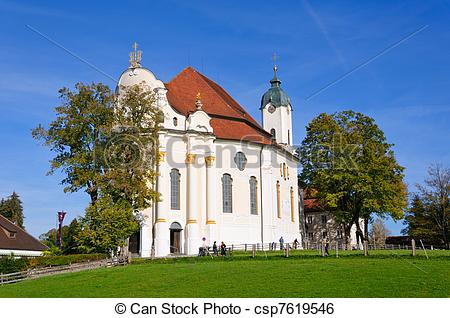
point(222, 175)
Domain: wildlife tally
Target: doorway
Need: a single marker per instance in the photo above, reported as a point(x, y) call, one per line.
point(175, 238)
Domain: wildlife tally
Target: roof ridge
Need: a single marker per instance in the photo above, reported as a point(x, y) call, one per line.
point(241, 110)
point(206, 81)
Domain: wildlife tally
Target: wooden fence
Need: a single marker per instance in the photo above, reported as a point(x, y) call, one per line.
point(39, 272)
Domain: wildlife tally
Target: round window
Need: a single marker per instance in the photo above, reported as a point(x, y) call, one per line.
point(241, 160)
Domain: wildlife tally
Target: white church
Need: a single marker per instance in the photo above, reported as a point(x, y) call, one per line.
point(223, 176)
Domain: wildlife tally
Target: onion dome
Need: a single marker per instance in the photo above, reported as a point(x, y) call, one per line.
point(275, 94)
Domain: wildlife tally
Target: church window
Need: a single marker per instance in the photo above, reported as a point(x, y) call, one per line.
point(339, 234)
point(309, 220)
point(241, 160)
point(273, 133)
point(324, 234)
point(174, 189)
point(310, 236)
point(278, 200)
point(227, 196)
point(175, 121)
point(253, 196)
point(289, 137)
point(292, 205)
point(324, 219)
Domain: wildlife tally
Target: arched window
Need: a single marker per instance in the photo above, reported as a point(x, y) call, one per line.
point(278, 200)
point(175, 121)
point(241, 160)
point(292, 205)
point(253, 196)
point(174, 189)
point(289, 137)
point(273, 133)
point(227, 195)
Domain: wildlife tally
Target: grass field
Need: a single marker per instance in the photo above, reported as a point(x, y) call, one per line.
point(304, 274)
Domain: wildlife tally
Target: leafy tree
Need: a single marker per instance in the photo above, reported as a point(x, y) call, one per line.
point(105, 144)
point(346, 158)
point(12, 209)
point(68, 233)
point(429, 215)
point(379, 232)
point(106, 225)
point(130, 153)
point(78, 136)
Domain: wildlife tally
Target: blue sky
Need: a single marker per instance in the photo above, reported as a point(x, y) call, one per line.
point(406, 89)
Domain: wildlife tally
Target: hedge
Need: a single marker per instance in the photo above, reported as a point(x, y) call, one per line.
point(10, 264)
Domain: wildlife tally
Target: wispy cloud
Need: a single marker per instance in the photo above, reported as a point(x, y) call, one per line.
point(323, 29)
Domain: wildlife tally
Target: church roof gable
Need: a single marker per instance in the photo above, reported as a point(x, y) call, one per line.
point(227, 115)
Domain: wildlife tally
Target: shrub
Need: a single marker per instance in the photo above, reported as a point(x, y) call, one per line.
point(10, 264)
point(46, 261)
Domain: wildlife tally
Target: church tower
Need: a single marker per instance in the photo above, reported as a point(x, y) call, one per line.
point(277, 112)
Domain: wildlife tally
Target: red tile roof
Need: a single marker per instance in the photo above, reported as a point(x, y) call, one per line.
point(229, 119)
point(311, 205)
point(21, 241)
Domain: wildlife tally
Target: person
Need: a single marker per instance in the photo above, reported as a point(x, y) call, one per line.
point(295, 243)
point(223, 249)
point(281, 240)
point(327, 245)
point(215, 251)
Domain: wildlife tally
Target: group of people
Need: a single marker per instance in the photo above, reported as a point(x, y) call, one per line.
point(204, 250)
point(281, 241)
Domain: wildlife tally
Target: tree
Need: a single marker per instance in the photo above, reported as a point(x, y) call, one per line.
point(379, 232)
point(106, 144)
point(106, 225)
point(78, 136)
point(346, 158)
point(12, 209)
point(69, 234)
point(429, 215)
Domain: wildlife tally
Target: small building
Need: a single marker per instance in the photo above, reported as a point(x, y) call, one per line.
point(319, 223)
point(15, 241)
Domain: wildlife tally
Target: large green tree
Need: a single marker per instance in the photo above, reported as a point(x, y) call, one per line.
point(78, 136)
point(105, 143)
point(429, 215)
point(347, 160)
point(11, 208)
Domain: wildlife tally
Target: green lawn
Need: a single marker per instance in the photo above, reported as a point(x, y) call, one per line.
point(304, 274)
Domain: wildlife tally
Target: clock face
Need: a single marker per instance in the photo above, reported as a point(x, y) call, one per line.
point(271, 109)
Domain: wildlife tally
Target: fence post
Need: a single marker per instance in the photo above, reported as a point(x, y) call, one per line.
point(337, 249)
point(322, 247)
point(245, 248)
point(413, 245)
point(366, 247)
point(1, 278)
point(286, 251)
point(253, 250)
point(232, 247)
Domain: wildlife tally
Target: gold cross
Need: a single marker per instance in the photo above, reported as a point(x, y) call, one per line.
point(135, 57)
point(275, 68)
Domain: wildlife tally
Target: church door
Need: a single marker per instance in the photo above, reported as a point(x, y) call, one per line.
point(175, 238)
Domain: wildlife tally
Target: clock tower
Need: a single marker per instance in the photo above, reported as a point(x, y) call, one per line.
point(277, 112)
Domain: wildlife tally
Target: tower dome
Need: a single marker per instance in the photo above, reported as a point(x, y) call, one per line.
point(135, 74)
point(275, 95)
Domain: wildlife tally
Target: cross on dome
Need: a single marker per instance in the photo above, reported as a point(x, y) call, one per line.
point(135, 57)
